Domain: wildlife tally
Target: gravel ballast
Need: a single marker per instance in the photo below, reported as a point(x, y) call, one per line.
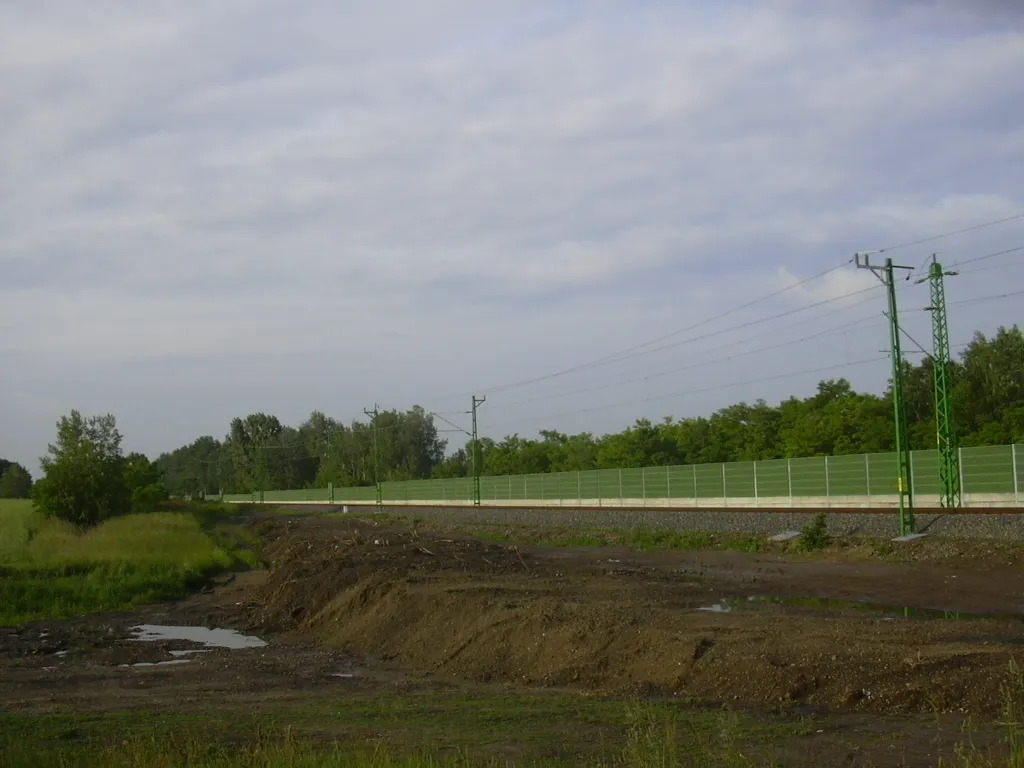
point(972, 525)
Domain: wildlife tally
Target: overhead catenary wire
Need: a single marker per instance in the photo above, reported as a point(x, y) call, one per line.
point(651, 399)
point(720, 332)
point(626, 353)
point(991, 268)
point(689, 367)
point(742, 342)
point(995, 297)
point(944, 235)
point(963, 262)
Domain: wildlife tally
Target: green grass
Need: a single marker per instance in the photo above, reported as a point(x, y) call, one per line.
point(463, 728)
point(48, 569)
point(434, 731)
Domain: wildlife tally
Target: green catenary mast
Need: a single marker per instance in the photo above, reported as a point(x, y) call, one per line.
point(905, 480)
point(945, 423)
point(477, 402)
point(376, 455)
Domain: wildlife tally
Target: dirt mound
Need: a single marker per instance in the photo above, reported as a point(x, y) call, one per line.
point(489, 613)
point(311, 564)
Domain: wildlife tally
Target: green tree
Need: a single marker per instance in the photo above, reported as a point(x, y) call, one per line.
point(989, 389)
point(144, 481)
point(83, 479)
point(15, 482)
point(200, 468)
point(251, 446)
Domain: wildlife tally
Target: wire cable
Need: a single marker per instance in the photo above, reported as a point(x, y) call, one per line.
point(692, 366)
point(741, 326)
point(950, 234)
point(988, 256)
point(791, 374)
point(986, 298)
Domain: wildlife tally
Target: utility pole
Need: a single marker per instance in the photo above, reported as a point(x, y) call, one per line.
point(477, 401)
point(905, 480)
point(946, 434)
point(376, 454)
point(327, 469)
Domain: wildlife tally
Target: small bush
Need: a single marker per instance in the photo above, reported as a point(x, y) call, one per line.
point(815, 535)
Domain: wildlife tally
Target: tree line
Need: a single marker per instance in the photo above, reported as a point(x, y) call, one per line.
point(260, 452)
point(15, 480)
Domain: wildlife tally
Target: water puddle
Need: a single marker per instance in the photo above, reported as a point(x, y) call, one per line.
point(833, 607)
point(211, 638)
point(716, 608)
point(171, 663)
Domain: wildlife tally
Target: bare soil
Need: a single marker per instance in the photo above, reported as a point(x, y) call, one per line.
point(348, 605)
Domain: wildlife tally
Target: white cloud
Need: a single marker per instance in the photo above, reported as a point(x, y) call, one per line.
point(405, 198)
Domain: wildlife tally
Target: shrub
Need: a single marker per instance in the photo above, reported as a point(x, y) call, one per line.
point(815, 535)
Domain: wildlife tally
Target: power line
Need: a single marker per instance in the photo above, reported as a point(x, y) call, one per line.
point(988, 298)
point(692, 366)
point(949, 234)
point(730, 312)
point(693, 339)
point(457, 427)
point(626, 353)
point(633, 351)
point(791, 374)
point(989, 256)
point(992, 268)
point(742, 342)
point(742, 326)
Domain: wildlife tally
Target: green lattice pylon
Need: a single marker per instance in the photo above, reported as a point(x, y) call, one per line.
point(947, 439)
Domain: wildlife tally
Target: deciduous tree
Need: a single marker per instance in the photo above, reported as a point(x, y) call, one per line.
point(84, 472)
point(15, 482)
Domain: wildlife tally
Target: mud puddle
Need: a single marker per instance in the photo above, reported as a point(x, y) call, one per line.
point(211, 638)
point(840, 607)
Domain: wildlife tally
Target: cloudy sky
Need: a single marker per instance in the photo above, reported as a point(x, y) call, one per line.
point(209, 209)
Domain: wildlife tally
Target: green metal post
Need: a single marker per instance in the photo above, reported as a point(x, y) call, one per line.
point(477, 401)
point(376, 455)
point(946, 434)
point(905, 479)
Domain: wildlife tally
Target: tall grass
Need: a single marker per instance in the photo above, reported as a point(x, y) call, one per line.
point(49, 569)
point(656, 738)
point(969, 756)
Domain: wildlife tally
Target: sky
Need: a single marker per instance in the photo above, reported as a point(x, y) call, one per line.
point(213, 209)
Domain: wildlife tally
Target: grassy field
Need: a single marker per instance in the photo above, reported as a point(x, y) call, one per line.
point(439, 729)
point(51, 570)
point(455, 729)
